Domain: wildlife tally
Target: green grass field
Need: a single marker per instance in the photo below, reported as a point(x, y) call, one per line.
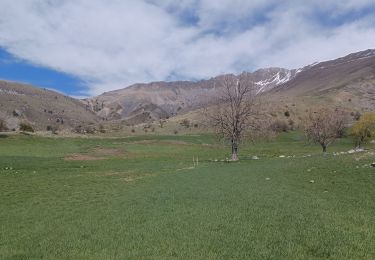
point(141, 198)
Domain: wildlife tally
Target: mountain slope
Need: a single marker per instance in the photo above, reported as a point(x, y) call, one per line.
point(142, 102)
point(41, 107)
point(347, 81)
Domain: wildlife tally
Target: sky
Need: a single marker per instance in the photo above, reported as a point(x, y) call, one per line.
point(86, 47)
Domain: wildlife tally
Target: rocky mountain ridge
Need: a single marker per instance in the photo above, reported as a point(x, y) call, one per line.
point(348, 81)
point(156, 100)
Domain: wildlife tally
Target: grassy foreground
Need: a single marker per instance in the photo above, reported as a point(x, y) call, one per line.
point(141, 197)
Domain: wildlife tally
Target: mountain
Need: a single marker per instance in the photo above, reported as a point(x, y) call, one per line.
point(143, 102)
point(41, 108)
point(343, 80)
point(348, 81)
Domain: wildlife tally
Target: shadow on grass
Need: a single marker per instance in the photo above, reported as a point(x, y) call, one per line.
point(3, 136)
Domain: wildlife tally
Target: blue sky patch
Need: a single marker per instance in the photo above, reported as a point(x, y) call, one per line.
point(14, 69)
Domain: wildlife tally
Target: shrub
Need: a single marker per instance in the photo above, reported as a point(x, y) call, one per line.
point(101, 129)
point(3, 125)
point(291, 124)
point(90, 129)
point(16, 113)
point(133, 130)
point(175, 132)
point(363, 129)
point(26, 127)
point(53, 129)
point(286, 114)
point(357, 116)
point(279, 126)
point(162, 122)
point(185, 123)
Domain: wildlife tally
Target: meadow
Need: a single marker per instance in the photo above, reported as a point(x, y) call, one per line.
point(141, 197)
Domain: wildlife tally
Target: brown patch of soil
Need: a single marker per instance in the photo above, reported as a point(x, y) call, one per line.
point(175, 142)
point(145, 142)
point(109, 151)
point(98, 153)
point(134, 177)
point(82, 157)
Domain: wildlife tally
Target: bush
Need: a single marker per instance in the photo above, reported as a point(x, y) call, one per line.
point(286, 114)
point(185, 123)
point(133, 130)
point(16, 113)
point(101, 129)
point(175, 132)
point(279, 126)
point(53, 129)
point(363, 129)
point(357, 116)
point(90, 130)
point(26, 127)
point(3, 125)
point(85, 129)
point(162, 122)
point(291, 124)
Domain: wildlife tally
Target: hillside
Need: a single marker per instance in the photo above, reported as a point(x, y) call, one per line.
point(142, 102)
point(41, 107)
point(348, 81)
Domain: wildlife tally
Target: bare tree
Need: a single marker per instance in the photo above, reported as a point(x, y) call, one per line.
point(232, 111)
point(324, 126)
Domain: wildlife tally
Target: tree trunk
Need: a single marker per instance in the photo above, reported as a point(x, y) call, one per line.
point(324, 148)
point(360, 141)
point(234, 150)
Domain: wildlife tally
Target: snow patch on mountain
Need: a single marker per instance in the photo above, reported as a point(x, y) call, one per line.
point(280, 77)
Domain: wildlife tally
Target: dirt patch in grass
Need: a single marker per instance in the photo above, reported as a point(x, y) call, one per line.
point(82, 157)
point(109, 151)
point(175, 142)
point(144, 142)
point(134, 177)
point(127, 173)
point(99, 153)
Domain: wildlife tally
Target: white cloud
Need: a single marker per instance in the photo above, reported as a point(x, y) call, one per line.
point(111, 44)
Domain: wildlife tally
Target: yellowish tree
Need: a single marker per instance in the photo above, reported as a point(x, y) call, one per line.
point(363, 129)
